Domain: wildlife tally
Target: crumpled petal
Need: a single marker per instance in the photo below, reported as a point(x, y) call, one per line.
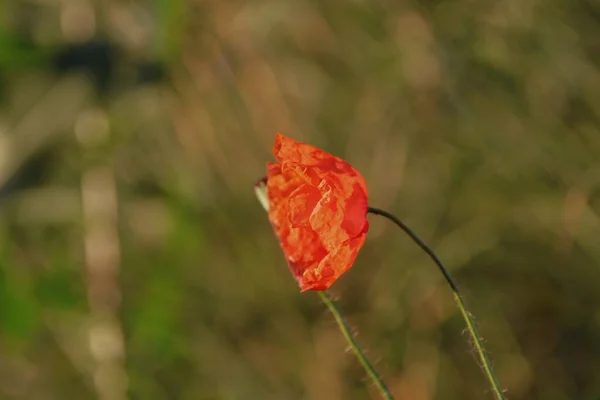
point(318, 209)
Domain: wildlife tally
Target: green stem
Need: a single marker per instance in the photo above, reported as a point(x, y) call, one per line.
point(343, 325)
point(475, 336)
point(261, 194)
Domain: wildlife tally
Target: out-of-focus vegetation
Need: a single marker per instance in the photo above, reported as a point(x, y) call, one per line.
point(136, 263)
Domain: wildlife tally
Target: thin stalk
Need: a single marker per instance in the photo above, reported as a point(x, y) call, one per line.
point(356, 348)
point(473, 332)
point(261, 194)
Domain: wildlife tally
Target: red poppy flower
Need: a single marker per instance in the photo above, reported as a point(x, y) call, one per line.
point(318, 209)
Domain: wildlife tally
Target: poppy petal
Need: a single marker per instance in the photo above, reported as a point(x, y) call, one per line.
point(318, 207)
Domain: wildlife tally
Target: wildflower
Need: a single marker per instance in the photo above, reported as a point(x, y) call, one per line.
point(318, 209)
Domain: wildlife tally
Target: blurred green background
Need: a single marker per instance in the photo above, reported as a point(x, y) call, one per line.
point(135, 262)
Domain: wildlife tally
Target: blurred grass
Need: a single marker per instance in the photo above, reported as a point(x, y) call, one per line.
point(136, 263)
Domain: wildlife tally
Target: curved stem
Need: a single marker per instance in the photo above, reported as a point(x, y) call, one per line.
point(475, 336)
point(343, 325)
